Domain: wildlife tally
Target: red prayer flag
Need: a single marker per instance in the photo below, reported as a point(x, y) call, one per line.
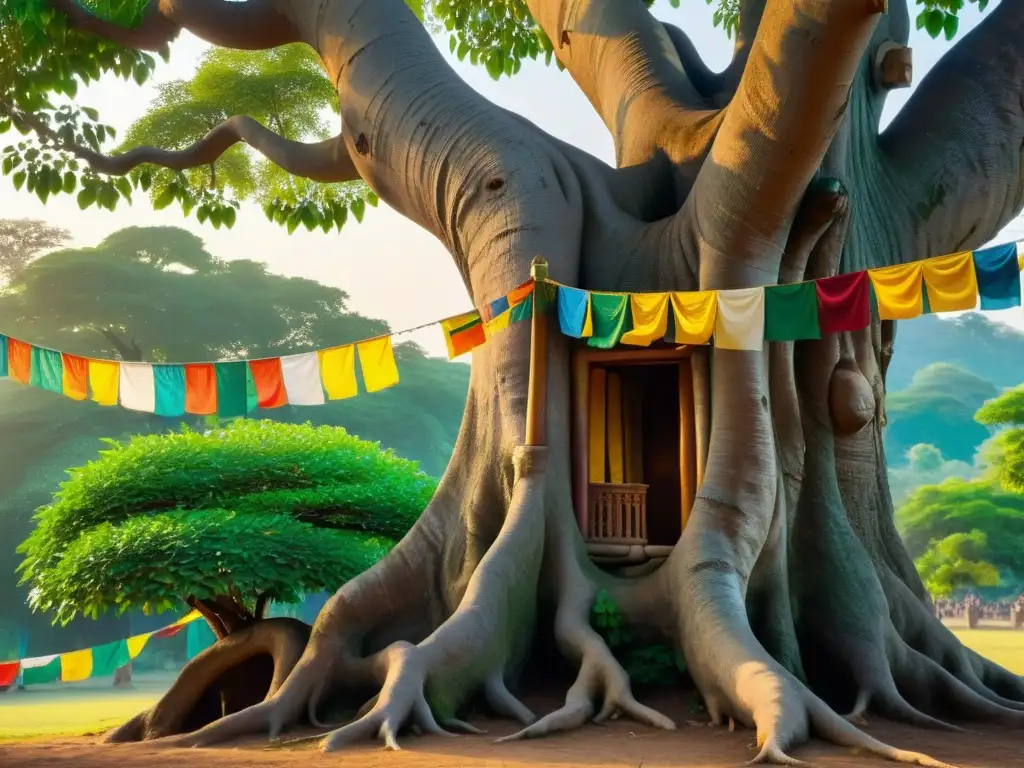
point(76, 376)
point(200, 389)
point(9, 673)
point(19, 360)
point(844, 302)
point(269, 381)
point(467, 339)
point(170, 631)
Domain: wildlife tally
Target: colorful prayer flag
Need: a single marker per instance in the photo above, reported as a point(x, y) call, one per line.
point(498, 323)
point(650, 319)
point(138, 387)
point(75, 376)
point(266, 375)
point(9, 673)
point(611, 318)
point(844, 302)
point(108, 658)
point(3, 355)
point(791, 312)
point(201, 389)
point(169, 385)
point(522, 311)
point(740, 322)
point(137, 643)
point(19, 361)
point(301, 374)
point(47, 370)
point(520, 294)
point(377, 359)
point(463, 333)
point(495, 308)
point(694, 314)
point(998, 276)
point(951, 282)
point(40, 670)
point(76, 666)
point(231, 396)
point(898, 291)
point(104, 379)
point(338, 371)
point(574, 317)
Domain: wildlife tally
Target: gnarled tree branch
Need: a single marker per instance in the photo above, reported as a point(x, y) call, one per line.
point(955, 150)
point(325, 161)
point(252, 25)
point(790, 101)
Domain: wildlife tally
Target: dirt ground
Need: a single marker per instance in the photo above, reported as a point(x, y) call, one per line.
point(620, 744)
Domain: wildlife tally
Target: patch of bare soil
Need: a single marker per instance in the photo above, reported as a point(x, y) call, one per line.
point(620, 744)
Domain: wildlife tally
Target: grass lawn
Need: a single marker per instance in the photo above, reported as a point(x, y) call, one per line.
point(94, 706)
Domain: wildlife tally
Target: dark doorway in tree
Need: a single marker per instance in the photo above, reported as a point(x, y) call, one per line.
point(634, 467)
point(237, 687)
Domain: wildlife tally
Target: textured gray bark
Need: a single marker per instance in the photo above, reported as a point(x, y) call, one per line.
point(772, 171)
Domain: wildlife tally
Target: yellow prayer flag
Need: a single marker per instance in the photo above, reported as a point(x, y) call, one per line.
point(694, 313)
point(76, 666)
point(188, 618)
point(137, 643)
point(377, 359)
point(338, 372)
point(499, 323)
point(104, 376)
point(951, 282)
point(898, 291)
point(650, 319)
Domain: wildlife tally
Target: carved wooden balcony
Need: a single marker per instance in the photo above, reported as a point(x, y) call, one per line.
point(618, 514)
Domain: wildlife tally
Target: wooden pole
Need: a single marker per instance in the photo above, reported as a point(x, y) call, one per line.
point(536, 394)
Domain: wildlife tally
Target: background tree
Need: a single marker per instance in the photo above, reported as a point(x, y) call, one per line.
point(772, 171)
point(22, 240)
point(925, 465)
point(226, 522)
point(956, 563)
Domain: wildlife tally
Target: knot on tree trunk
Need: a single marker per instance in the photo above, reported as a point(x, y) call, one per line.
point(851, 400)
point(529, 460)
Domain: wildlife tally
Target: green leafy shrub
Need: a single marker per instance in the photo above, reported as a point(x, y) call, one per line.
point(256, 507)
point(646, 664)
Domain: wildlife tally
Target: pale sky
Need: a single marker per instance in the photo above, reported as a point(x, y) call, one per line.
point(391, 268)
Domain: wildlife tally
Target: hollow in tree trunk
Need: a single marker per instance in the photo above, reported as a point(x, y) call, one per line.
point(773, 171)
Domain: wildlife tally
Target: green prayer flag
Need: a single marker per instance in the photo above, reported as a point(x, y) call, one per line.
point(230, 389)
point(107, 659)
point(522, 310)
point(252, 398)
point(3, 355)
point(612, 318)
point(169, 382)
point(791, 312)
point(49, 673)
point(47, 370)
point(198, 637)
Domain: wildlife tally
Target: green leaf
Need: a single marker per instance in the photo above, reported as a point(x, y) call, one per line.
point(86, 198)
point(358, 209)
point(69, 182)
point(934, 22)
point(950, 25)
point(18, 179)
point(495, 64)
point(164, 199)
point(229, 217)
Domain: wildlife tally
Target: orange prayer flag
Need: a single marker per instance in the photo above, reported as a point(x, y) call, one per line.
point(200, 389)
point(76, 376)
point(19, 360)
point(518, 295)
point(269, 381)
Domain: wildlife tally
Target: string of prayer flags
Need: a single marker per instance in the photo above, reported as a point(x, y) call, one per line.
point(791, 312)
point(740, 323)
point(898, 291)
point(844, 302)
point(998, 274)
point(695, 314)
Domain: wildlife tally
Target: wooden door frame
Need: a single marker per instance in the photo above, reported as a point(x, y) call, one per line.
point(583, 359)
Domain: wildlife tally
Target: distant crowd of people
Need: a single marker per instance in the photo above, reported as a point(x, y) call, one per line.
point(1007, 609)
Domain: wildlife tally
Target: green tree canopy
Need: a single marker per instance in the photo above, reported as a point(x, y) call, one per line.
point(938, 409)
point(957, 562)
point(253, 508)
point(22, 240)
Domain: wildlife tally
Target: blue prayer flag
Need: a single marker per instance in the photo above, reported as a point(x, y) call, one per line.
point(998, 276)
point(573, 304)
point(169, 381)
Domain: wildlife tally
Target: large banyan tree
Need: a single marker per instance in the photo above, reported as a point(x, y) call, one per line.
point(789, 593)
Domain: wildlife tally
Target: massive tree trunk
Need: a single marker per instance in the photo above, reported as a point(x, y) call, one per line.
point(772, 171)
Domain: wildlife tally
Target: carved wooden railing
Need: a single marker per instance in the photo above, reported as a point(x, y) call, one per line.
point(618, 513)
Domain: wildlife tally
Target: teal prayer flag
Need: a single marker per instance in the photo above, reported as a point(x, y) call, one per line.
point(231, 389)
point(522, 310)
point(169, 381)
point(3, 356)
point(572, 311)
point(611, 316)
point(198, 638)
point(107, 659)
point(791, 312)
point(47, 370)
point(998, 276)
point(252, 397)
point(48, 673)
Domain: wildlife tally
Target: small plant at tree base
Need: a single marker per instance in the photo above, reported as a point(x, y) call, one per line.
point(647, 664)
